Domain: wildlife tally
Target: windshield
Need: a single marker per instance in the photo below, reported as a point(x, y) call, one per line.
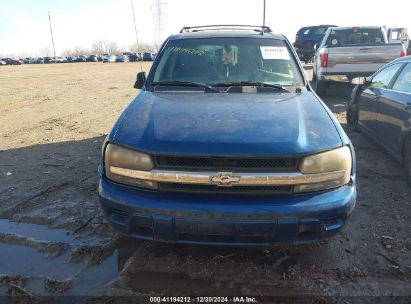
point(214, 61)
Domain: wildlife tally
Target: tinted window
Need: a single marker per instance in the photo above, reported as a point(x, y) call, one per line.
point(320, 30)
point(355, 36)
point(217, 60)
point(382, 79)
point(403, 82)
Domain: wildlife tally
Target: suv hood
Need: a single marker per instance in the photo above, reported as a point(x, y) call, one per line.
point(227, 124)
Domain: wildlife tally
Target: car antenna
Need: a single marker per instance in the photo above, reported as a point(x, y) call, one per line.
point(135, 29)
point(262, 30)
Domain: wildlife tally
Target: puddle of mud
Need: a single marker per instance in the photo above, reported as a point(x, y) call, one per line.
point(176, 280)
point(4, 300)
point(109, 276)
point(93, 280)
point(45, 233)
point(29, 262)
point(177, 284)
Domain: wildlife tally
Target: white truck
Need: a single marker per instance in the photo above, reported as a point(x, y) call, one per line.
point(399, 35)
point(349, 52)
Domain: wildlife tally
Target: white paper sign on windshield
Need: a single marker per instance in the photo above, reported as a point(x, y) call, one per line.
point(274, 52)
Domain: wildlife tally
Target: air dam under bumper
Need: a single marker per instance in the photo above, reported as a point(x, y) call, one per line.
point(253, 220)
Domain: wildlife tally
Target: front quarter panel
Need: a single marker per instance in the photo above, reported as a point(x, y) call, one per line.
point(112, 134)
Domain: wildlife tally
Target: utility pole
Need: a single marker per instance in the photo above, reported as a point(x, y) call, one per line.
point(264, 14)
point(52, 39)
point(159, 15)
point(135, 30)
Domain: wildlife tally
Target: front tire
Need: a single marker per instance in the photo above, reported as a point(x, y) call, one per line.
point(352, 117)
point(321, 88)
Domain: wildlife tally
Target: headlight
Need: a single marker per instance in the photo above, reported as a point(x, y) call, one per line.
point(331, 161)
point(117, 158)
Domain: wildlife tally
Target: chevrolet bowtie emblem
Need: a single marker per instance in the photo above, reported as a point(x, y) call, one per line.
point(225, 179)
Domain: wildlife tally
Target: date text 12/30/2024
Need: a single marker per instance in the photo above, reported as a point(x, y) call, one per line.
point(203, 300)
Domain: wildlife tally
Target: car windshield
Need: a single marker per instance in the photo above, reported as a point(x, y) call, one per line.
point(215, 61)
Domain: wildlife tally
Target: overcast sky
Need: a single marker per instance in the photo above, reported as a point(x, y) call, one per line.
point(24, 24)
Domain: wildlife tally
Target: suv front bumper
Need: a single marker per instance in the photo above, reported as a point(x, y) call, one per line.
point(253, 220)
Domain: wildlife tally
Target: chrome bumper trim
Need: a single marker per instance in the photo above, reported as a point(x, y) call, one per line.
point(229, 178)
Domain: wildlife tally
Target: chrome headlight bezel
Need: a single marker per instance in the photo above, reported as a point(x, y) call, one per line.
point(120, 157)
point(336, 160)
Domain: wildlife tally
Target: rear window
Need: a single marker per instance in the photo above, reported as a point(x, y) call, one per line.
point(304, 31)
point(355, 36)
point(320, 30)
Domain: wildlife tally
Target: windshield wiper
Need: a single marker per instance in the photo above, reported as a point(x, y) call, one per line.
point(251, 83)
point(184, 83)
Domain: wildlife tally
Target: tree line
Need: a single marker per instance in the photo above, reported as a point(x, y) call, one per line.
point(98, 47)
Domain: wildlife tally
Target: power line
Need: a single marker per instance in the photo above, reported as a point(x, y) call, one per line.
point(51, 32)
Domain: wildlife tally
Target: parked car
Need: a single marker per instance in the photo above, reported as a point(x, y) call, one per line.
point(10, 61)
point(60, 59)
point(226, 143)
point(121, 58)
point(306, 38)
point(32, 60)
point(108, 58)
point(133, 57)
point(81, 58)
point(380, 107)
point(348, 52)
point(147, 57)
point(48, 60)
point(92, 58)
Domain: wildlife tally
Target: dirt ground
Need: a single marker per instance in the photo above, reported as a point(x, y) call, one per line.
point(55, 241)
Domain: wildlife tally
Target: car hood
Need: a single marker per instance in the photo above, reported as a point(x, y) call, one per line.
point(227, 124)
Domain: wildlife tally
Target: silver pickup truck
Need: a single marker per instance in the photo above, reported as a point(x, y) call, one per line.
point(348, 52)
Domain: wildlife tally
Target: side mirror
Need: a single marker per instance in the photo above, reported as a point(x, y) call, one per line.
point(359, 80)
point(140, 81)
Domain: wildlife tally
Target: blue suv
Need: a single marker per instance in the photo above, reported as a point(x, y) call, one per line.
point(306, 38)
point(227, 144)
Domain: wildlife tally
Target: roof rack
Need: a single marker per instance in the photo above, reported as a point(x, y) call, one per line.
point(232, 27)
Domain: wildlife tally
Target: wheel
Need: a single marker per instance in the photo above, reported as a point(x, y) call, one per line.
point(321, 88)
point(352, 117)
point(314, 78)
point(308, 46)
point(407, 162)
